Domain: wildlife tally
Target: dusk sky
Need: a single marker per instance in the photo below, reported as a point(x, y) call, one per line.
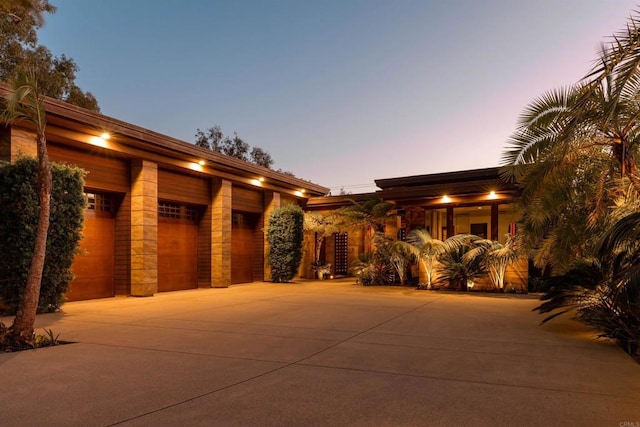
point(339, 92)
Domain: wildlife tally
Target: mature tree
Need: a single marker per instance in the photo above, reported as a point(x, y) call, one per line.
point(261, 157)
point(19, 51)
point(575, 154)
point(426, 249)
point(213, 139)
point(372, 213)
point(236, 147)
point(26, 103)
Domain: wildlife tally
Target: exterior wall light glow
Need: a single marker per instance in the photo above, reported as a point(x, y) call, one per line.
point(261, 179)
point(493, 195)
point(298, 193)
point(202, 162)
point(445, 199)
point(256, 182)
point(195, 167)
point(105, 136)
point(98, 141)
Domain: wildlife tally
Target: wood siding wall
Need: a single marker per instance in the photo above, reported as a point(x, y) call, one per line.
point(247, 200)
point(104, 172)
point(191, 189)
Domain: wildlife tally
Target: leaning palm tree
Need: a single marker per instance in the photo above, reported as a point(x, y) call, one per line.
point(426, 249)
point(25, 103)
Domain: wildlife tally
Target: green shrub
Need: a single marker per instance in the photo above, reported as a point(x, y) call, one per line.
point(19, 208)
point(285, 234)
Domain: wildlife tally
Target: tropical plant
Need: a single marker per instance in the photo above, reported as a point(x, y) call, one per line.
point(24, 102)
point(497, 257)
point(375, 268)
point(285, 234)
point(459, 265)
point(606, 293)
point(426, 249)
point(575, 154)
point(401, 255)
point(372, 214)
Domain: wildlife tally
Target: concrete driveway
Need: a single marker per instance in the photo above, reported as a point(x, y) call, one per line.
point(317, 353)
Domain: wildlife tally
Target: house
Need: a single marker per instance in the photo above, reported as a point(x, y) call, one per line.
point(163, 214)
point(463, 202)
point(166, 215)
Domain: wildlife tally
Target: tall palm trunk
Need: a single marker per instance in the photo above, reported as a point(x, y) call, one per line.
point(21, 331)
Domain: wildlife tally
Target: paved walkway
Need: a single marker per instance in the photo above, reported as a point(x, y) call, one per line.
point(317, 353)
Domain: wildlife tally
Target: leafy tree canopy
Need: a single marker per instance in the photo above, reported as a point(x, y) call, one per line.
point(20, 51)
point(214, 139)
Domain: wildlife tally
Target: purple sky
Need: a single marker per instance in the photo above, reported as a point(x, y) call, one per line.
point(339, 92)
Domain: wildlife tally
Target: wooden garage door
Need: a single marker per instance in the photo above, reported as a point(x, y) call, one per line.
point(243, 247)
point(177, 247)
point(93, 267)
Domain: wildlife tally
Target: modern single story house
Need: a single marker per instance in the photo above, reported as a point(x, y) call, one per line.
point(166, 215)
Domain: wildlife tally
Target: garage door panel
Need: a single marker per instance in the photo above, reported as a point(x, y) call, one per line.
point(177, 254)
point(93, 267)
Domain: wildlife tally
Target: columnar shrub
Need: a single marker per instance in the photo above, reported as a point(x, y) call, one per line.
point(19, 206)
point(285, 234)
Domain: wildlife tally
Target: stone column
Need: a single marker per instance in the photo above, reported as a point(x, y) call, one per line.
point(144, 228)
point(271, 203)
point(221, 234)
point(16, 143)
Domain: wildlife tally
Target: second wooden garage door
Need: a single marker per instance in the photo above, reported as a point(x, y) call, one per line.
point(177, 247)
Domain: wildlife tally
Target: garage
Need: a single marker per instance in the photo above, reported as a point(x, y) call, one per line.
point(177, 246)
point(93, 266)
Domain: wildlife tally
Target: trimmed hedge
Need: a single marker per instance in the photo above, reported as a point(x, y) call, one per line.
point(285, 234)
point(19, 208)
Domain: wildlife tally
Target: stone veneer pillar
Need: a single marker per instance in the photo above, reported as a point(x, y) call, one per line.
point(221, 234)
point(144, 228)
point(271, 203)
point(16, 143)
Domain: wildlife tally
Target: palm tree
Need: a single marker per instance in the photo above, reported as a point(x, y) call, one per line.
point(606, 294)
point(25, 103)
point(372, 213)
point(575, 154)
point(497, 256)
point(426, 249)
point(460, 266)
point(401, 254)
